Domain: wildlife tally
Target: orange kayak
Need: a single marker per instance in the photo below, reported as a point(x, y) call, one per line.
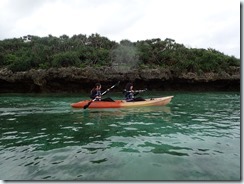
point(122, 103)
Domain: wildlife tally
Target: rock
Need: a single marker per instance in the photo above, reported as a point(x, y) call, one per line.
point(82, 79)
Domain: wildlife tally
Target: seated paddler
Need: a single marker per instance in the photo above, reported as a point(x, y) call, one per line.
point(130, 93)
point(97, 94)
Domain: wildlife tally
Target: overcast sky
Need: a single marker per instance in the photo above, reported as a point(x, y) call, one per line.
point(194, 23)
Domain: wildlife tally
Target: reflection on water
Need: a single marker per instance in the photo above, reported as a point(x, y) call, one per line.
point(44, 138)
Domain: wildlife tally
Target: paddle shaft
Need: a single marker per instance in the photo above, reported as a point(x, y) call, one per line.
point(138, 91)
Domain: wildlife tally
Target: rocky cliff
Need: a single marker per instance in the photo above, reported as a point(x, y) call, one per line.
point(77, 80)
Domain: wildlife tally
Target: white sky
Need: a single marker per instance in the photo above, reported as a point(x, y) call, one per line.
point(194, 23)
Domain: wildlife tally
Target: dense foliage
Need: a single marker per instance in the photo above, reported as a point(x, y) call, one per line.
point(20, 54)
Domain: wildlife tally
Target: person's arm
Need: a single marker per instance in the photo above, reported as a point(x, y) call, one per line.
point(136, 93)
point(93, 94)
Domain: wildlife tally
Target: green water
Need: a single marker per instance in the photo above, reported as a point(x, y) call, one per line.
point(195, 137)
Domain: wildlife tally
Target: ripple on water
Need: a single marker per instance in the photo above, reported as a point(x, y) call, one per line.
point(188, 140)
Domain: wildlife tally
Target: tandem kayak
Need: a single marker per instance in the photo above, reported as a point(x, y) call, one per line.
point(122, 103)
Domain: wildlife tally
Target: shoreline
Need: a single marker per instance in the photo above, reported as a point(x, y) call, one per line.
point(75, 80)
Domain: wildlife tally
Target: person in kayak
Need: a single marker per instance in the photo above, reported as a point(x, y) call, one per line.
point(97, 94)
point(130, 94)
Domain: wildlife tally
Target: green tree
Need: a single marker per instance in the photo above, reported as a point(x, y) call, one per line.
point(94, 50)
point(65, 59)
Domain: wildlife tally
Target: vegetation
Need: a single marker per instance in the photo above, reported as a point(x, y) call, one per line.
point(21, 54)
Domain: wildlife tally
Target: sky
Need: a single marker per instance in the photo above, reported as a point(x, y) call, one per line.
point(194, 23)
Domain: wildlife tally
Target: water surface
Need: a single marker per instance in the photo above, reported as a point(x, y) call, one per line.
point(195, 137)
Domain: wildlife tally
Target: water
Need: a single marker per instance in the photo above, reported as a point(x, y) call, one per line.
point(195, 137)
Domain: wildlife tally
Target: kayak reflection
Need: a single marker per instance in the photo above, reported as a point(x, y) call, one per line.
point(143, 114)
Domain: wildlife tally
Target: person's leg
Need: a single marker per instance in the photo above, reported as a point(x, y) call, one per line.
point(139, 99)
point(108, 99)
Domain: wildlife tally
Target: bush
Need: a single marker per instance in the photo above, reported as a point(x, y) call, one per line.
point(95, 50)
point(65, 59)
point(20, 65)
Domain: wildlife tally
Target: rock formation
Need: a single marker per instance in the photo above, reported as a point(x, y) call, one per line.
point(82, 79)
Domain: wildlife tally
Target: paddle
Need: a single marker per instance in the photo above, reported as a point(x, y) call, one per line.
point(89, 103)
point(136, 91)
point(140, 91)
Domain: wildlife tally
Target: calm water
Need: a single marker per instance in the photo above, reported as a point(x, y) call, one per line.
point(195, 137)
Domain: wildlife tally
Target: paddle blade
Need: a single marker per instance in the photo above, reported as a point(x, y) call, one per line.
point(87, 105)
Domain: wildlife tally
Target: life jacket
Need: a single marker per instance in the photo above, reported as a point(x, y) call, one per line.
point(129, 96)
point(95, 93)
point(98, 93)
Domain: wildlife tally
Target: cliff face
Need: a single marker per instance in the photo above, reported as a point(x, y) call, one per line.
point(77, 80)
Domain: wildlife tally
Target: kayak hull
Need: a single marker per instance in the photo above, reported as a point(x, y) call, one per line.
point(122, 103)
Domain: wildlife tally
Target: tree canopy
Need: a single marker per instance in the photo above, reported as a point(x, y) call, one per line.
point(27, 52)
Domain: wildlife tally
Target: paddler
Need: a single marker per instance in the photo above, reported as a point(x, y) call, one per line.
point(96, 94)
point(130, 93)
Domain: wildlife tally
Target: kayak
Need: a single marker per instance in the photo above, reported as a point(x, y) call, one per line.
point(122, 103)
